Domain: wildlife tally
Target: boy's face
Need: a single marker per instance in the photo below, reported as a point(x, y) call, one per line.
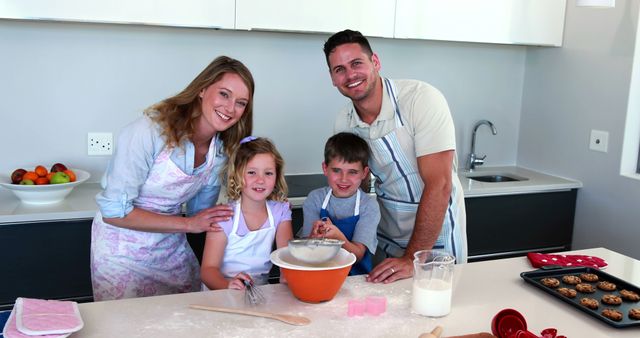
point(344, 178)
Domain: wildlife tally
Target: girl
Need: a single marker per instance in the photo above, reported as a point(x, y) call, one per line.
point(170, 156)
point(256, 184)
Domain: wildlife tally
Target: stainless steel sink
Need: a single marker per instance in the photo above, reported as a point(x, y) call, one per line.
point(496, 178)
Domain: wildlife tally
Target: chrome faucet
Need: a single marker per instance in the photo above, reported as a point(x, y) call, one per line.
point(474, 159)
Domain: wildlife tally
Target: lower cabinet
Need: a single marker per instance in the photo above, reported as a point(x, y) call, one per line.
point(512, 225)
point(48, 260)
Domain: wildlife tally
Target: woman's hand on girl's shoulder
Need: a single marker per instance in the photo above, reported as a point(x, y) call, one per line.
point(208, 219)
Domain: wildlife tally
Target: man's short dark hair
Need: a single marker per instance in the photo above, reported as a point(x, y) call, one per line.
point(347, 147)
point(343, 37)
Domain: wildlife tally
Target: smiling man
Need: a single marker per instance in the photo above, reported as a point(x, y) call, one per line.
point(408, 126)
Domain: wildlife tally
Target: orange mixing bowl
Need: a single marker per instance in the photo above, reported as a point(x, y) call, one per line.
point(314, 283)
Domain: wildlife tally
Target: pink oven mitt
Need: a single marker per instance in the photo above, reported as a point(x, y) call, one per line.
point(11, 331)
point(42, 317)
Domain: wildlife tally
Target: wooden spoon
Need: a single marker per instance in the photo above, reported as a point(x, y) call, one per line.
point(434, 334)
point(289, 319)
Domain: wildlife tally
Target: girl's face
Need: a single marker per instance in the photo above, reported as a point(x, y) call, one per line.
point(224, 102)
point(259, 177)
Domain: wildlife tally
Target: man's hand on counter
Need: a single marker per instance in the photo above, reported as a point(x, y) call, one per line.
point(391, 270)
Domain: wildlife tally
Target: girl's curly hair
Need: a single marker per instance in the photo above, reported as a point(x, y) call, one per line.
point(238, 163)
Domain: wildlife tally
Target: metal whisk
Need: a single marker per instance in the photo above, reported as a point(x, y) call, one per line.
point(252, 294)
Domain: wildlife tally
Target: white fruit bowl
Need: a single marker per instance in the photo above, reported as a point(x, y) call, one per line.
point(46, 193)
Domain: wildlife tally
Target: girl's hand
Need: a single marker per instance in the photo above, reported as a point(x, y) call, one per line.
point(207, 219)
point(237, 282)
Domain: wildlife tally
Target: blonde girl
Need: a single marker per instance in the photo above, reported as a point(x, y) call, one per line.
point(257, 189)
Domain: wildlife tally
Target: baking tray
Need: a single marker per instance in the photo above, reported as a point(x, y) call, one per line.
point(534, 277)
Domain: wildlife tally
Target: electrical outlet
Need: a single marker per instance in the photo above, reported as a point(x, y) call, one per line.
point(99, 144)
point(599, 140)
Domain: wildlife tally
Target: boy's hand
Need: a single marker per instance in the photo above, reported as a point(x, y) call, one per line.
point(325, 228)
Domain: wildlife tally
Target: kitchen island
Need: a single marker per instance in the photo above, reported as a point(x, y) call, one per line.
point(481, 289)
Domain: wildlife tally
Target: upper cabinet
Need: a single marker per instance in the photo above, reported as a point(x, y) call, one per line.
point(371, 17)
point(189, 13)
point(525, 22)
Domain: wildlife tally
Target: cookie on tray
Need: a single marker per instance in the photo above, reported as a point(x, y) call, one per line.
point(570, 279)
point(611, 299)
point(629, 295)
point(606, 286)
point(589, 277)
point(634, 313)
point(567, 292)
point(585, 288)
point(612, 314)
point(590, 303)
point(550, 282)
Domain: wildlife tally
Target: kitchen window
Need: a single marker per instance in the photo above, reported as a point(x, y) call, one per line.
point(630, 162)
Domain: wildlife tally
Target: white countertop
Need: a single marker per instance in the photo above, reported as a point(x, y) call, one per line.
point(480, 290)
point(80, 204)
point(534, 182)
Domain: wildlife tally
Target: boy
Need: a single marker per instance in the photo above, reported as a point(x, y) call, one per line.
point(342, 210)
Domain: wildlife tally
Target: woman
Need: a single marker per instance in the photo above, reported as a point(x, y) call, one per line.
point(172, 155)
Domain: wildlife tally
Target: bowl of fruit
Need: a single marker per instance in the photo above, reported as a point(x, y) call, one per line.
point(42, 186)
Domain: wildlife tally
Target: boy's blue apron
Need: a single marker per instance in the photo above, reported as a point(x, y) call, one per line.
point(348, 227)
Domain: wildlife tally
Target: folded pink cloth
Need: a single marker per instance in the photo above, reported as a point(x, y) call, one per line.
point(11, 331)
point(43, 318)
point(539, 260)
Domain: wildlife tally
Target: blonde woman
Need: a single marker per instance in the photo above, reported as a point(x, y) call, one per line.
point(172, 155)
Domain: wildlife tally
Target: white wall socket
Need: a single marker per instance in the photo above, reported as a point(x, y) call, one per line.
point(99, 144)
point(599, 140)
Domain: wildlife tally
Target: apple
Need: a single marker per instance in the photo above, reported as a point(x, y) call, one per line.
point(16, 176)
point(58, 167)
point(26, 182)
point(60, 177)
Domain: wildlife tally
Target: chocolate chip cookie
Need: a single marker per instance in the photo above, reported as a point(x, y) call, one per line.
point(612, 314)
point(606, 286)
point(629, 295)
point(573, 280)
point(590, 303)
point(634, 313)
point(585, 288)
point(571, 293)
point(550, 282)
point(611, 300)
point(589, 277)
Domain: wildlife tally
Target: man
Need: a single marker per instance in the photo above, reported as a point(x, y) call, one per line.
point(409, 129)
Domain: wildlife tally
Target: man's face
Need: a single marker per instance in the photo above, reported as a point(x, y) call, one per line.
point(353, 72)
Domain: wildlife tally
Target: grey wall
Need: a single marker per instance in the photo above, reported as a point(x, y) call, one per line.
point(62, 80)
point(567, 92)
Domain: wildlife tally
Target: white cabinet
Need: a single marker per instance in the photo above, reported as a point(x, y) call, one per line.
point(190, 13)
point(528, 22)
point(370, 17)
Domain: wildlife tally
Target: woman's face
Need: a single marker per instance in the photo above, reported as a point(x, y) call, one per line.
point(259, 177)
point(224, 102)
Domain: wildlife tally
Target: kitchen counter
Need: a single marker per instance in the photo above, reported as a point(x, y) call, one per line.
point(81, 201)
point(535, 182)
point(79, 204)
point(480, 290)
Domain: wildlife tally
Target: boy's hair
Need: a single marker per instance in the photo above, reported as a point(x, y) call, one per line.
point(344, 37)
point(347, 147)
point(238, 163)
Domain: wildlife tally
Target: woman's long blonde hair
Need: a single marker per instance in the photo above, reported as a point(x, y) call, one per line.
point(178, 114)
point(238, 163)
